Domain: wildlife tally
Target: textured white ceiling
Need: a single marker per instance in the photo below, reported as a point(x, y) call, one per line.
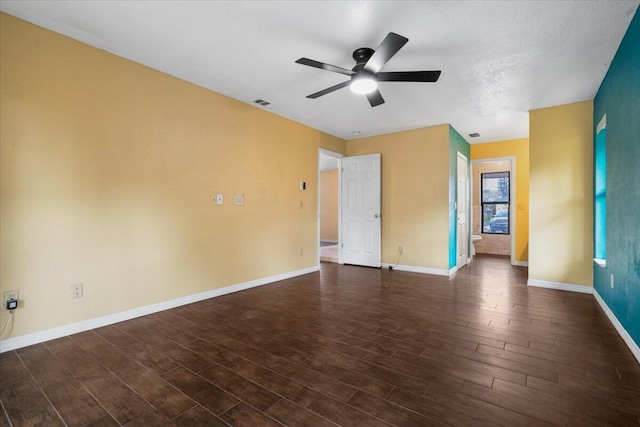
point(499, 59)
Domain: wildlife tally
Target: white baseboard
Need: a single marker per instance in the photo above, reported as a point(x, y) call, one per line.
point(560, 286)
point(414, 269)
point(74, 328)
point(633, 346)
point(520, 263)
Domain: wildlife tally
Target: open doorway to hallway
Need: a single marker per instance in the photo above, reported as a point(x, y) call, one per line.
point(492, 216)
point(329, 206)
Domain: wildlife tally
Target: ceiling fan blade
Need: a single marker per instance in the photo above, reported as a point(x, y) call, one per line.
point(389, 47)
point(329, 90)
point(323, 66)
point(375, 98)
point(408, 76)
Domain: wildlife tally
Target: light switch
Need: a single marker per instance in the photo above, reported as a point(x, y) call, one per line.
point(218, 198)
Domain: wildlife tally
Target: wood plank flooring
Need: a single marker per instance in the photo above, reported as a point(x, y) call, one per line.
point(347, 346)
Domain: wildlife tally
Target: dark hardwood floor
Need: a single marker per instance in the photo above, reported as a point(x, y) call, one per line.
point(347, 346)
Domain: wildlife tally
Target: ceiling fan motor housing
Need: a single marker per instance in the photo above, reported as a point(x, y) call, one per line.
point(361, 56)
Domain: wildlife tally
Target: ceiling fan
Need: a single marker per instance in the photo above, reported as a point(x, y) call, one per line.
point(366, 74)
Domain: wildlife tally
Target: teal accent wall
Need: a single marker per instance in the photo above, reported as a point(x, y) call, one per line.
point(619, 98)
point(456, 144)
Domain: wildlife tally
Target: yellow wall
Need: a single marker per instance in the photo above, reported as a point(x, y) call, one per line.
point(561, 206)
point(415, 194)
point(108, 176)
point(329, 205)
point(519, 149)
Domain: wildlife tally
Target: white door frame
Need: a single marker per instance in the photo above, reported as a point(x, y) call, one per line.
point(322, 151)
point(512, 195)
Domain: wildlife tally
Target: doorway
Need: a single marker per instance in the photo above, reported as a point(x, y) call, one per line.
point(358, 209)
point(493, 196)
point(328, 206)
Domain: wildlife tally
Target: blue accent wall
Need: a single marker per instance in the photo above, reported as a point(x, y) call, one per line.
point(456, 143)
point(619, 98)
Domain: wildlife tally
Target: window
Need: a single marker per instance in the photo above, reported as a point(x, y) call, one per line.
point(495, 190)
point(600, 193)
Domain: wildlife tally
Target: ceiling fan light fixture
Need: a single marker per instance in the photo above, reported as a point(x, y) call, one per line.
point(363, 85)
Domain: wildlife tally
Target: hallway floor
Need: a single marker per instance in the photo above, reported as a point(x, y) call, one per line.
point(329, 252)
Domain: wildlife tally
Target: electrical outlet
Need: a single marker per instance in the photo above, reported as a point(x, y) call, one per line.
point(401, 249)
point(611, 281)
point(76, 290)
point(238, 200)
point(10, 295)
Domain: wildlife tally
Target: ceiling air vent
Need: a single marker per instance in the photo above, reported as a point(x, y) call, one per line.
point(474, 135)
point(262, 102)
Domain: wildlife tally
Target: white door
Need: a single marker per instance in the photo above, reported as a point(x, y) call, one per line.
point(462, 203)
point(360, 206)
